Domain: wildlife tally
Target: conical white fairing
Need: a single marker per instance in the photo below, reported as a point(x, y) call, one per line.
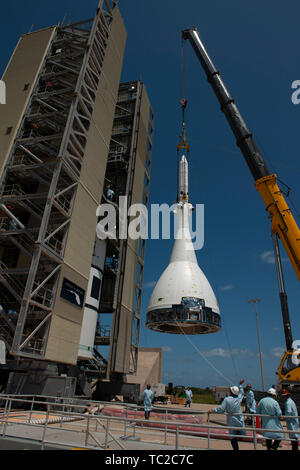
point(183, 300)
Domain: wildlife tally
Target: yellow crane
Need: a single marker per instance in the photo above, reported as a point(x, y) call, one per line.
point(283, 225)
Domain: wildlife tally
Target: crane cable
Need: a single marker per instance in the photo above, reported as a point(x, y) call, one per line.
point(228, 380)
point(183, 144)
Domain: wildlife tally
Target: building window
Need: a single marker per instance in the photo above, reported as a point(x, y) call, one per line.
point(95, 291)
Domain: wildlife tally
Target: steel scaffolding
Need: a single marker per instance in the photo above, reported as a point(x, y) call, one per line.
point(120, 173)
point(39, 183)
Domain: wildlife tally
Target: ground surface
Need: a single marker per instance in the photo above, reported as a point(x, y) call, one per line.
point(27, 430)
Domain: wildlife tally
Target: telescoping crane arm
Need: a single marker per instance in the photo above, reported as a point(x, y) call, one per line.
point(283, 222)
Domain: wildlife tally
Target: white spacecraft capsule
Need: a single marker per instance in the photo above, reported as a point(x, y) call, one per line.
point(183, 301)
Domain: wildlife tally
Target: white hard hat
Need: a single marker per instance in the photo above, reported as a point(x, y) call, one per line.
point(272, 391)
point(235, 390)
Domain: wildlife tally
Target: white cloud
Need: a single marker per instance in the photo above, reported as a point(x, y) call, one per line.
point(277, 352)
point(220, 352)
point(267, 257)
point(225, 288)
point(167, 349)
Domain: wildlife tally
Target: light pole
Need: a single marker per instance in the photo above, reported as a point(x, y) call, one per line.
point(254, 301)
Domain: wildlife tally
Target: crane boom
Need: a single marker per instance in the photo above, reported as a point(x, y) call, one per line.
point(283, 222)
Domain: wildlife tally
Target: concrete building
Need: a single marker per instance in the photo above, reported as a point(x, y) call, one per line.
point(220, 393)
point(57, 151)
point(149, 371)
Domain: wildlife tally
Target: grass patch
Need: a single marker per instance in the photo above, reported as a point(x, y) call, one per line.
point(200, 395)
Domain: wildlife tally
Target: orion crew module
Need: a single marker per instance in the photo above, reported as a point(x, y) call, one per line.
point(183, 301)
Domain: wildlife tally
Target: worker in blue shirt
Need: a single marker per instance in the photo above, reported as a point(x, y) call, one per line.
point(292, 424)
point(231, 405)
point(269, 406)
point(147, 398)
point(189, 396)
point(250, 403)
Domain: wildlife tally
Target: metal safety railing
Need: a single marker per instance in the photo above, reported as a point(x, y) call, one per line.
point(76, 426)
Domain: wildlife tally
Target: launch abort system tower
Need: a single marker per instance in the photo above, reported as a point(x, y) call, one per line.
point(56, 150)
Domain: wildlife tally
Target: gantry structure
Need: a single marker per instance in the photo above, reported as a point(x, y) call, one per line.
point(71, 131)
point(128, 176)
point(42, 173)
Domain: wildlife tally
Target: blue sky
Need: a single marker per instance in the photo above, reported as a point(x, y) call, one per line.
point(255, 46)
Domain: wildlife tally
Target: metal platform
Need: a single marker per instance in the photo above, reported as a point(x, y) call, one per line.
point(184, 319)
